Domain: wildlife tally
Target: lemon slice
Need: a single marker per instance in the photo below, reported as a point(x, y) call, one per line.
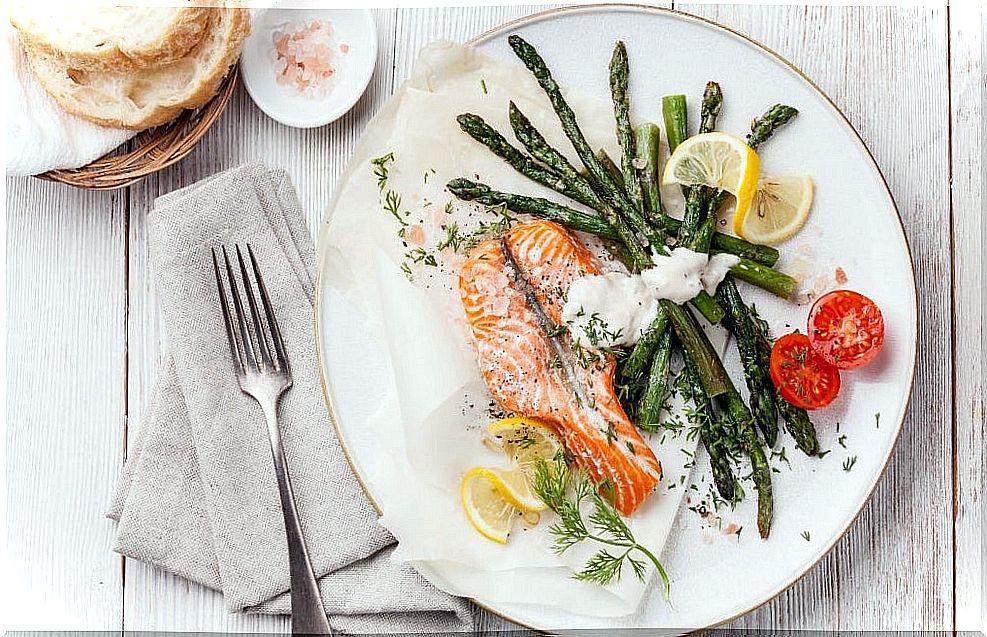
point(717, 160)
point(490, 513)
point(779, 208)
point(525, 440)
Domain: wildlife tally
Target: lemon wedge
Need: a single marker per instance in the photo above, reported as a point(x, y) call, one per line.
point(719, 161)
point(487, 509)
point(779, 209)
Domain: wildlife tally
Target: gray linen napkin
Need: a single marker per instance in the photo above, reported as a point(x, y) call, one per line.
point(198, 496)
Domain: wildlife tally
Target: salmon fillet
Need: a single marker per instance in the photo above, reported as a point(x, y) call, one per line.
point(512, 303)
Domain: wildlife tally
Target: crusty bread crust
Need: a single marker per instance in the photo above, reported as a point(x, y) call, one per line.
point(187, 28)
point(52, 73)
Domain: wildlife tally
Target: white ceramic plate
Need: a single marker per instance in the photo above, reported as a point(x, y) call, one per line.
point(355, 31)
point(854, 225)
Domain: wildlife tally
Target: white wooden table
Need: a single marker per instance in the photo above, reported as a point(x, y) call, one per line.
point(84, 334)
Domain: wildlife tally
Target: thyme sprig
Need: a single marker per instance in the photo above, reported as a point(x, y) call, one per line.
point(553, 483)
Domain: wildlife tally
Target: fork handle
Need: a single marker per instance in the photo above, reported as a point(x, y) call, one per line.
point(308, 616)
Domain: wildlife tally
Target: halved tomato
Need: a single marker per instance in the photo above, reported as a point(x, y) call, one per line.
point(804, 379)
point(846, 328)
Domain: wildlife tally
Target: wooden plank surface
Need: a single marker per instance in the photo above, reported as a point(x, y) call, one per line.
point(65, 351)
point(968, 28)
point(899, 548)
point(77, 261)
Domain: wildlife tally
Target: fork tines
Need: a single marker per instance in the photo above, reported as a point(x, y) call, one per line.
point(255, 340)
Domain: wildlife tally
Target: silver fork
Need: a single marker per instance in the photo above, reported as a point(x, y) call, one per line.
point(264, 373)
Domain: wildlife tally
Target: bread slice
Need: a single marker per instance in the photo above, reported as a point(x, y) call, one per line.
point(147, 97)
point(107, 37)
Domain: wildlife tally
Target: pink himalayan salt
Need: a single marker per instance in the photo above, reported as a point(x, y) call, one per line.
point(306, 58)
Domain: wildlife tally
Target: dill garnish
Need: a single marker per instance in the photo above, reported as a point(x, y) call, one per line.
point(392, 204)
point(848, 463)
point(553, 484)
point(382, 169)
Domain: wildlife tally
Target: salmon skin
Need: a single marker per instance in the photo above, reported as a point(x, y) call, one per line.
point(513, 290)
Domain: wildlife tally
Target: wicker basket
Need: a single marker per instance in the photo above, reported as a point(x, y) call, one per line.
point(153, 149)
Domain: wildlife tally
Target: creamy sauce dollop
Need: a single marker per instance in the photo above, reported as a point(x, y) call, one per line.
point(615, 309)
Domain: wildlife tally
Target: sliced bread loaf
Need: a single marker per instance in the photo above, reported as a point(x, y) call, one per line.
point(147, 97)
point(110, 38)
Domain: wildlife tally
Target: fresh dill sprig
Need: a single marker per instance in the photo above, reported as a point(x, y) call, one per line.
point(392, 204)
point(553, 483)
point(453, 239)
point(848, 463)
point(382, 169)
point(806, 536)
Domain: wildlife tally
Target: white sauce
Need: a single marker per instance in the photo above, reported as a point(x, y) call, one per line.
point(614, 309)
point(716, 270)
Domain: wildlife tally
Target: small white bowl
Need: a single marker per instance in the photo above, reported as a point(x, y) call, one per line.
point(353, 27)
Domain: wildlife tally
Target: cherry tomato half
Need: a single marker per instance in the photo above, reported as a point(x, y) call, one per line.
point(846, 328)
point(803, 378)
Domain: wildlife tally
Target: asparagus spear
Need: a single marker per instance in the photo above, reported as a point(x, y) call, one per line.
point(713, 433)
point(762, 390)
point(712, 375)
point(647, 138)
point(761, 472)
point(697, 197)
point(673, 110)
point(482, 132)
point(763, 127)
point(619, 74)
point(653, 399)
point(773, 281)
point(710, 109)
point(611, 167)
point(544, 208)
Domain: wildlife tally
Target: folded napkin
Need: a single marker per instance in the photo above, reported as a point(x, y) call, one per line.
point(38, 134)
point(199, 497)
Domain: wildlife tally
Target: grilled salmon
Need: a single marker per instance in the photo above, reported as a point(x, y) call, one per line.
point(513, 290)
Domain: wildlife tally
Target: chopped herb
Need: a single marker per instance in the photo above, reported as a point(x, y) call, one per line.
point(877, 420)
point(610, 432)
point(453, 239)
point(822, 454)
point(782, 456)
point(557, 331)
point(382, 169)
point(842, 440)
point(420, 255)
point(483, 85)
point(848, 463)
point(806, 536)
point(392, 204)
point(630, 447)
